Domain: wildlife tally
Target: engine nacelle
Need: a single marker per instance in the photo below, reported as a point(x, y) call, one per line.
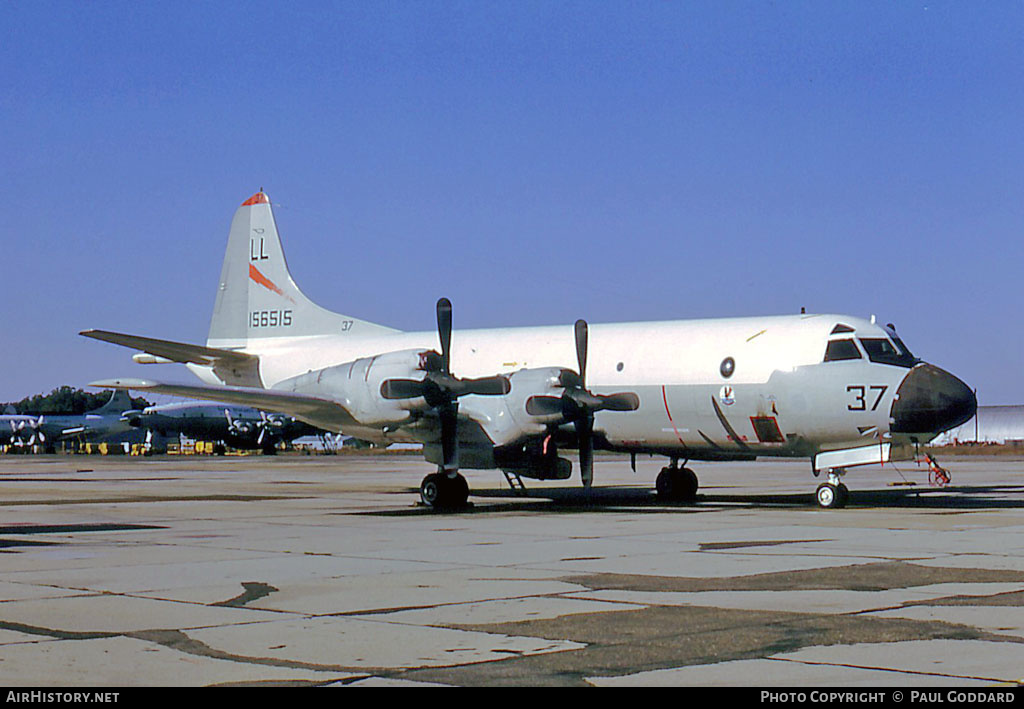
point(505, 418)
point(356, 385)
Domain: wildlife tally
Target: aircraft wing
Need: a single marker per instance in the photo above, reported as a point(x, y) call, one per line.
point(237, 368)
point(317, 411)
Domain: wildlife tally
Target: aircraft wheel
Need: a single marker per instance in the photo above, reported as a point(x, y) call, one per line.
point(689, 484)
point(461, 488)
point(676, 485)
point(663, 484)
point(832, 496)
point(442, 492)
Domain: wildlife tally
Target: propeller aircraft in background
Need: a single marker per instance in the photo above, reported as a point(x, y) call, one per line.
point(101, 424)
point(239, 427)
point(839, 390)
point(21, 430)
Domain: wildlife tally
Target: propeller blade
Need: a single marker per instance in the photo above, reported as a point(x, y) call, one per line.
point(623, 401)
point(444, 331)
point(582, 333)
point(402, 388)
point(449, 436)
point(259, 438)
point(487, 386)
point(584, 430)
point(544, 405)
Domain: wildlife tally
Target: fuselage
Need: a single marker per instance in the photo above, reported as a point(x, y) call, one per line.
point(714, 389)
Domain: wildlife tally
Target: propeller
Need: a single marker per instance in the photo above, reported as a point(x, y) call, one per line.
point(238, 427)
point(578, 405)
point(441, 389)
point(18, 433)
point(37, 432)
point(273, 424)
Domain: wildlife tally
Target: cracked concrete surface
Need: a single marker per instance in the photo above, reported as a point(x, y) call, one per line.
point(297, 571)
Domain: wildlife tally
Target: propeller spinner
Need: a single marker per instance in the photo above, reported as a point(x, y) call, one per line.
point(578, 405)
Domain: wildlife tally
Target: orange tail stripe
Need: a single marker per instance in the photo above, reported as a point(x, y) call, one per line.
point(255, 274)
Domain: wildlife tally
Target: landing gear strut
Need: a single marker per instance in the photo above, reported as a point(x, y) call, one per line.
point(444, 492)
point(675, 484)
point(833, 494)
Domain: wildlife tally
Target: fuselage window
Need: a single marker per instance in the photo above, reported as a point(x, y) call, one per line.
point(841, 328)
point(841, 349)
point(881, 351)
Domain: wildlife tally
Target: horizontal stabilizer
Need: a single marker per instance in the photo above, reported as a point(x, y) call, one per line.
point(237, 368)
point(314, 410)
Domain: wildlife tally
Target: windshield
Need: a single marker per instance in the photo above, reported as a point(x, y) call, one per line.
point(883, 351)
point(838, 350)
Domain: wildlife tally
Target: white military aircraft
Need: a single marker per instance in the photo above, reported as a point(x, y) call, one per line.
point(840, 390)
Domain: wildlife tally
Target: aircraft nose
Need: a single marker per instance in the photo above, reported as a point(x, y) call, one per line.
point(931, 400)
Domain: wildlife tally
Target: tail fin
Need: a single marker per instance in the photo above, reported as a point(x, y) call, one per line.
point(119, 402)
point(257, 297)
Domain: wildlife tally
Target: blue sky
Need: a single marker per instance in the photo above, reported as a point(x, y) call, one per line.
point(535, 162)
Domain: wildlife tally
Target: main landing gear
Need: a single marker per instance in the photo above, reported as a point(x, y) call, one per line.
point(675, 484)
point(833, 494)
point(444, 492)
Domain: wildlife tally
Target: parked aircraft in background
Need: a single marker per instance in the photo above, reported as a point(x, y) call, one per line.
point(102, 424)
point(20, 430)
point(840, 390)
point(237, 426)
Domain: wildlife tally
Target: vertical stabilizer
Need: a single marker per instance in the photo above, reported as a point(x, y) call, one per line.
point(119, 402)
point(257, 297)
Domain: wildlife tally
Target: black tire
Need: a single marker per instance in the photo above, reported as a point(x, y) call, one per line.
point(460, 491)
point(676, 485)
point(432, 490)
point(831, 497)
point(664, 484)
point(444, 493)
point(688, 485)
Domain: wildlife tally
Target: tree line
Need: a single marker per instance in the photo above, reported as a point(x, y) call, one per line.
point(65, 400)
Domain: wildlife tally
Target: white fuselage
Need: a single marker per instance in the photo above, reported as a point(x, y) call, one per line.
point(781, 398)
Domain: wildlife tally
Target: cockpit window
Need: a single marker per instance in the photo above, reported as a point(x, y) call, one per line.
point(903, 348)
point(841, 328)
point(882, 351)
point(841, 349)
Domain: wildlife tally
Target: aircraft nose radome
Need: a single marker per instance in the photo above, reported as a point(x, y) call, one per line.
point(931, 400)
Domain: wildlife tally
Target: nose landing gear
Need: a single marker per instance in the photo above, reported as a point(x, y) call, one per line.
point(833, 494)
